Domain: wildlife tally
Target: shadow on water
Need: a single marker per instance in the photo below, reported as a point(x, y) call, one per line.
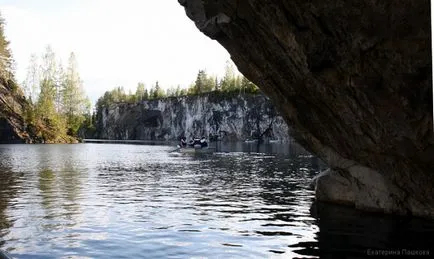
point(348, 233)
point(343, 232)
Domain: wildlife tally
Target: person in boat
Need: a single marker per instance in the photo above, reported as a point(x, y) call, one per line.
point(190, 143)
point(183, 142)
point(203, 142)
point(196, 143)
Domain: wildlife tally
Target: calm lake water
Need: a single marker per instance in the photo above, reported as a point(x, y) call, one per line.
point(142, 201)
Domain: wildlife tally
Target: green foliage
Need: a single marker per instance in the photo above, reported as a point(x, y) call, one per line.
point(75, 104)
point(141, 92)
point(203, 83)
point(248, 87)
point(44, 115)
point(229, 81)
point(230, 85)
point(88, 127)
point(158, 92)
point(6, 60)
point(13, 86)
point(58, 103)
point(31, 84)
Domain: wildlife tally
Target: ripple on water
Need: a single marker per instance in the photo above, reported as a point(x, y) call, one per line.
point(133, 201)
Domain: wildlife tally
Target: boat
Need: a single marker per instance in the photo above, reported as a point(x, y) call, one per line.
point(251, 141)
point(190, 150)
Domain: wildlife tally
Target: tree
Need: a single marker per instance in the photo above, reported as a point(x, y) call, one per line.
point(140, 91)
point(191, 89)
point(31, 84)
point(170, 92)
point(247, 86)
point(151, 92)
point(158, 92)
point(228, 83)
point(199, 85)
point(209, 84)
point(6, 60)
point(75, 104)
point(59, 79)
point(146, 95)
point(183, 92)
point(46, 101)
point(131, 98)
point(58, 102)
point(216, 85)
point(203, 83)
point(178, 90)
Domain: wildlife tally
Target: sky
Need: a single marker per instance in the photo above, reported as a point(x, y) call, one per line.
point(116, 42)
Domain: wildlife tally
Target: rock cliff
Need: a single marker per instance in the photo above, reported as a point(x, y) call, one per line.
point(211, 115)
point(353, 80)
point(12, 106)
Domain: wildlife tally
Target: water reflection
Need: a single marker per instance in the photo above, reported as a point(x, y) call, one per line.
point(46, 182)
point(8, 191)
point(135, 201)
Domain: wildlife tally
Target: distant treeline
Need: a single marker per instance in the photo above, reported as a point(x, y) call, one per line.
point(230, 84)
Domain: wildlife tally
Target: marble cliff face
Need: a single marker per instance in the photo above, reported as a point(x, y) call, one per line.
point(353, 80)
point(229, 118)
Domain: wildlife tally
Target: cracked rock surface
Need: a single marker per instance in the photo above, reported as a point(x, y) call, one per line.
point(232, 118)
point(12, 106)
point(352, 79)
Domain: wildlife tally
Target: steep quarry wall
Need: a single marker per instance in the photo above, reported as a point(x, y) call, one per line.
point(352, 78)
point(12, 106)
point(211, 115)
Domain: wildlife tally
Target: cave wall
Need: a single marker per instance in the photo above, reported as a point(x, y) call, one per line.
point(353, 79)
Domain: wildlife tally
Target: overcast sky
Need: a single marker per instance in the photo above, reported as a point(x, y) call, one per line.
point(116, 42)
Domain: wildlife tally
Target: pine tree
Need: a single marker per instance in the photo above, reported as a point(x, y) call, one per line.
point(6, 60)
point(199, 85)
point(151, 93)
point(158, 91)
point(46, 100)
point(216, 85)
point(203, 83)
point(178, 91)
point(209, 84)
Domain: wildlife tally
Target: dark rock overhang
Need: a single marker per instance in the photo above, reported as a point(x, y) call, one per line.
point(353, 78)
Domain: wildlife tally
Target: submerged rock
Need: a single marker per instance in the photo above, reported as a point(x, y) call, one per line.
point(211, 115)
point(353, 80)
